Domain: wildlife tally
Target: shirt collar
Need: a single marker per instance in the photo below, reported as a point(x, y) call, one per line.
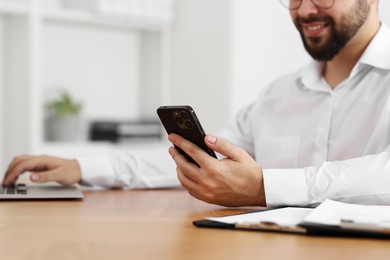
point(311, 77)
point(377, 54)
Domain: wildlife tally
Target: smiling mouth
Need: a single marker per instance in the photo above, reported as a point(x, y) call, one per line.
point(314, 30)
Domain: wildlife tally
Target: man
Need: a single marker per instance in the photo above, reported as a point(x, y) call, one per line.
point(321, 132)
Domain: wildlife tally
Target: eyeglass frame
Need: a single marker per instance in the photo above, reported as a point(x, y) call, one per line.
point(300, 4)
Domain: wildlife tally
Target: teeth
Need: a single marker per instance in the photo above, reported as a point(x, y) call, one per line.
point(313, 28)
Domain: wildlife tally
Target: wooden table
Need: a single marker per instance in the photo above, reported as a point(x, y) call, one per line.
point(153, 224)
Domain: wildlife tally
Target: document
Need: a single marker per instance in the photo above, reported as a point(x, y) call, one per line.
point(337, 213)
point(284, 219)
point(329, 218)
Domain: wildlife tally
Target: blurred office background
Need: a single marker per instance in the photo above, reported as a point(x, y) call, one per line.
point(121, 59)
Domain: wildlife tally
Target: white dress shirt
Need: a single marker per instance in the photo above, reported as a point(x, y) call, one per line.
point(311, 141)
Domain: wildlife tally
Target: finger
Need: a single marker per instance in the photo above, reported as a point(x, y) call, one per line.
point(13, 182)
point(186, 182)
point(22, 165)
point(195, 152)
point(46, 176)
point(193, 188)
point(17, 160)
point(190, 170)
point(11, 175)
point(223, 147)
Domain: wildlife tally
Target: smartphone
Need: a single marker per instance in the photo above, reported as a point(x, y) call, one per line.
point(183, 121)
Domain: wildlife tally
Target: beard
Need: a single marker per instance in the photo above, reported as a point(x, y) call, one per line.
point(339, 34)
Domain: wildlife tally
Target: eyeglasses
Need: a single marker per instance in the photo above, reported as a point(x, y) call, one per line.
point(295, 4)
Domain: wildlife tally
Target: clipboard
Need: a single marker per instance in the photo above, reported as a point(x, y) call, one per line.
point(343, 231)
point(331, 218)
point(262, 226)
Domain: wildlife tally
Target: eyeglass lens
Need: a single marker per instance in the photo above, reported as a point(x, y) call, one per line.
point(295, 4)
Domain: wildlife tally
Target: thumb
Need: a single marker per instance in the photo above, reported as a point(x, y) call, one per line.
point(45, 176)
point(223, 147)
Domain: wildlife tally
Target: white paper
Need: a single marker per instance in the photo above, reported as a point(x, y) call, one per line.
point(282, 217)
point(334, 213)
point(329, 213)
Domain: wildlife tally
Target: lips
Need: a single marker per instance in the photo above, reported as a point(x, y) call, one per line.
point(314, 29)
point(313, 26)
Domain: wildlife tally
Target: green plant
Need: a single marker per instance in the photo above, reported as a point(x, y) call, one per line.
point(64, 106)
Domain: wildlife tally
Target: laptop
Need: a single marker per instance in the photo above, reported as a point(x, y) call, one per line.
point(23, 191)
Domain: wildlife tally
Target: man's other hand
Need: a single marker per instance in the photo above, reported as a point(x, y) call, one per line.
point(43, 169)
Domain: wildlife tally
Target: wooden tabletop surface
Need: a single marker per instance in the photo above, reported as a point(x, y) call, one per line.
point(153, 224)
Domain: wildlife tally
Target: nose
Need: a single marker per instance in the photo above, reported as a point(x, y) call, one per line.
point(307, 8)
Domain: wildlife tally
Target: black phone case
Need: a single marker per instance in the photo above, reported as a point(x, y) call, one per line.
point(189, 129)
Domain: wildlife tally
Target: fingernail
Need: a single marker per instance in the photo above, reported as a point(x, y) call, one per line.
point(211, 139)
point(34, 177)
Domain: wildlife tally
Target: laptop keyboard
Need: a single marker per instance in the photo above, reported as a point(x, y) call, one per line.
point(20, 188)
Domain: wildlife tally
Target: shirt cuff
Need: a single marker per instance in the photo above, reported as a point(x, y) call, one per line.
point(96, 170)
point(285, 187)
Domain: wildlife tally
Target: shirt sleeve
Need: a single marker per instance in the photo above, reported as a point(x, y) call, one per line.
point(138, 168)
point(285, 187)
point(363, 180)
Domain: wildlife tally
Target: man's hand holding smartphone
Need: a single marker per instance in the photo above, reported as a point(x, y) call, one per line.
point(236, 180)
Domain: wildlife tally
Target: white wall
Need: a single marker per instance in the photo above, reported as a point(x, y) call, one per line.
point(15, 121)
point(384, 11)
point(98, 65)
point(265, 46)
point(201, 59)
